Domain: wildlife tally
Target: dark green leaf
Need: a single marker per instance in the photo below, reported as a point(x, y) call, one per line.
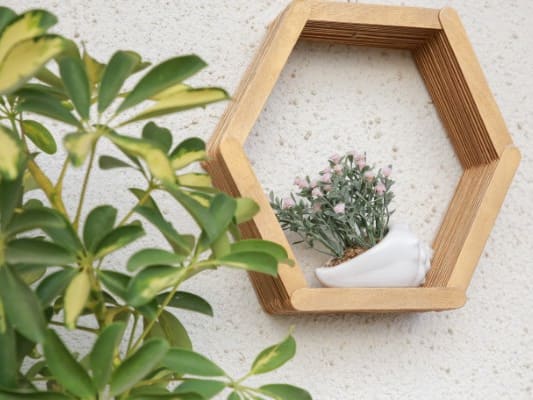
point(49, 107)
point(206, 389)
point(160, 136)
point(264, 246)
point(118, 238)
point(108, 162)
point(188, 301)
point(116, 282)
point(40, 136)
point(34, 218)
point(120, 67)
point(147, 257)
point(187, 152)
point(161, 77)
point(170, 328)
point(76, 81)
point(10, 196)
point(6, 16)
point(38, 252)
point(285, 392)
point(66, 235)
point(29, 273)
point(98, 224)
point(275, 356)
point(150, 281)
point(103, 353)
point(188, 362)
point(48, 77)
point(54, 285)
point(68, 372)
point(252, 261)
point(137, 366)
point(8, 360)
point(6, 395)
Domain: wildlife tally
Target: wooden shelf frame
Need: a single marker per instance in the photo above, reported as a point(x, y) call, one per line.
point(473, 122)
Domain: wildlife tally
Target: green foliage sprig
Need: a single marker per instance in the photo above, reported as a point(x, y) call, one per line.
point(346, 207)
point(53, 268)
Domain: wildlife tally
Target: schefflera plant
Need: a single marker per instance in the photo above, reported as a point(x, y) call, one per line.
point(53, 267)
point(342, 212)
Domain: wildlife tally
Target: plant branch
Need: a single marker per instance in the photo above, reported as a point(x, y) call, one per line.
point(84, 187)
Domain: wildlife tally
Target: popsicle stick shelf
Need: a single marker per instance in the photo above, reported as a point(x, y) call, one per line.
point(455, 81)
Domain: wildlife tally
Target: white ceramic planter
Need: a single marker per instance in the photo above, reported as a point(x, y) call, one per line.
point(399, 260)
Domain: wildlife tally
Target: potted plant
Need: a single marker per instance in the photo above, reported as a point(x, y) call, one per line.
point(345, 212)
point(55, 278)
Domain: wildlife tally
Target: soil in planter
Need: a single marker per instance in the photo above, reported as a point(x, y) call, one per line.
point(348, 254)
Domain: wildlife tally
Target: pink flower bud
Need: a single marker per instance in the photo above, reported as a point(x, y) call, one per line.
point(317, 207)
point(359, 157)
point(380, 189)
point(339, 208)
point(369, 176)
point(287, 203)
point(326, 178)
point(316, 192)
point(338, 169)
point(327, 188)
point(298, 181)
point(313, 183)
point(361, 163)
point(326, 170)
point(387, 171)
point(335, 158)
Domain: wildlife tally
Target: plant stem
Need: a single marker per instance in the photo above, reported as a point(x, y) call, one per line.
point(141, 201)
point(81, 328)
point(84, 187)
point(132, 334)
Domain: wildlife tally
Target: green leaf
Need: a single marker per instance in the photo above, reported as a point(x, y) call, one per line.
point(187, 301)
point(38, 252)
point(264, 246)
point(205, 388)
point(79, 145)
point(121, 65)
point(10, 197)
point(103, 353)
point(181, 101)
point(8, 361)
point(66, 235)
point(48, 77)
point(76, 81)
point(234, 396)
point(25, 58)
point(49, 107)
point(181, 244)
point(187, 152)
point(21, 306)
point(29, 273)
point(76, 297)
point(286, 392)
point(118, 238)
point(160, 136)
point(98, 224)
point(246, 210)
point(137, 366)
point(171, 329)
point(148, 257)
point(252, 261)
point(116, 282)
point(94, 68)
point(188, 362)
point(6, 16)
point(275, 356)
point(54, 285)
point(195, 180)
point(162, 77)
point(68, 372)
point(34, 218)
point(150, 281)
point(11, 155)
point(167, 396)
point(40, 136)
point(6, 395)
point(109, 162)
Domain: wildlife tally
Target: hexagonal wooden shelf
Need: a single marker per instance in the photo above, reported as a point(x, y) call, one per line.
point(455, 81)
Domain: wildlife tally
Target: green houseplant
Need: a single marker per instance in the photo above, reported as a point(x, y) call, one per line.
point(52, 260)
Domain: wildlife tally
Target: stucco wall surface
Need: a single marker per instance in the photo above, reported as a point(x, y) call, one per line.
point(333, 99)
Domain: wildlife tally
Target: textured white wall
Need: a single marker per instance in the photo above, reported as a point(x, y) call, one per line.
point(334, 98)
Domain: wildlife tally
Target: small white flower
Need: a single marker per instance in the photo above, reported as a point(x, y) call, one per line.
point(326, 178)
point(387, 171)
point(316, 192)
point(287, 203)
point(369, 176)
point(339, 208)
point(335, 158)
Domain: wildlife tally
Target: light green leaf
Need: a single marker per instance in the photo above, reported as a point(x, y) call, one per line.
point(25, 58)
point(103, 353)
point(7, 395)
point(54, 285)
point(252, 261)
point(171, 91)
point(109, 162)
point(21, 306)
point(76, 297)
point(49, 107)
point(263, 246)
point(76, 81)
point(158, 135)
point(181, 101)
point(79, 145)
point(195, 180)
point(188, 362)
point(38, 252)
point(116, 282)
point(187, 152)
point(148, 257)
point(121, 65)
point(29, 273)
point(246, 210)
point(205, 388)
point(234, 396)
point(6, 16)
point(137, 366)
point(150, 281)
point(94, 68)
point(98, 224)
point(40, 136)
point(285, 392)
point(118, 238)
point(161, 77)
point(66, 370)
point(48, 77)
point(34, 218)
point(170, 328)
point(275, 356)
point(11, 155)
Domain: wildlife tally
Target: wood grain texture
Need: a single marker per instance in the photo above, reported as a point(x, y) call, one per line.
point(460, 93)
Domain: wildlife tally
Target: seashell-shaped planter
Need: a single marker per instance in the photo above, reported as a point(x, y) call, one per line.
point(399, 260)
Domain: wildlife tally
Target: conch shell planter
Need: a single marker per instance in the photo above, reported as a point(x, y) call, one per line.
point(399, 260)
point(446, 61)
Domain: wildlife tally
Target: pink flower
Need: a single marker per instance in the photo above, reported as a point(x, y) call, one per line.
point(387, 171)
point(339, 208)
point(298, 181)
point(380, 189)
point(369, 176)
point(287, 203)
point(326, 178)
point(316, 192)
point(327, 188)
point(359, 157)
point(335, 158)
point(361, 163)
point(326, 170)
point(313, 183)
point(338, 169)
point(317, 207)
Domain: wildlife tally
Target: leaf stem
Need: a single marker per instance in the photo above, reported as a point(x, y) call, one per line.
point(81, 328)
point(84, 187)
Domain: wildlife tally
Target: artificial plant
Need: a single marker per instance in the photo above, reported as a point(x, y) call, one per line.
point(53, 268)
